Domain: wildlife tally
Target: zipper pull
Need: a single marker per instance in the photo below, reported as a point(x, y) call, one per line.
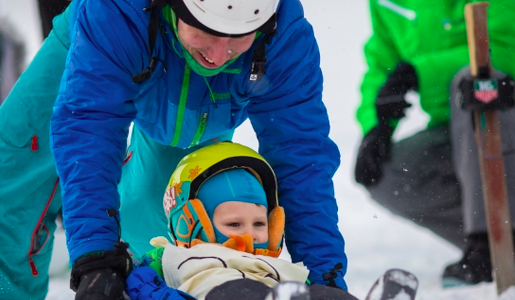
point(34, 146)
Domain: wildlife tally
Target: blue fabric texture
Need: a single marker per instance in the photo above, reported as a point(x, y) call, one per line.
point(143, 283)
point(98, 100)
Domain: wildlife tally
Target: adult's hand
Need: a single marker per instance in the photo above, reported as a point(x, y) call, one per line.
point(373, 151)
point(101, 275)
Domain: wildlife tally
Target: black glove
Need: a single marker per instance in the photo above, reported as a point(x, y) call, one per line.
point(101, 276)
point(390, 103)
point(373, 151)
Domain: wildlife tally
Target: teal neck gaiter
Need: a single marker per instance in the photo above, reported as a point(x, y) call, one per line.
point(195, 66)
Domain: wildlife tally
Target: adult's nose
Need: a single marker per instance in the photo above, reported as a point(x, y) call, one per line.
point(219, 51)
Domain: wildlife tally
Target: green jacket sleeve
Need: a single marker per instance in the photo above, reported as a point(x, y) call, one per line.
point(381, 57)
point(433, 39)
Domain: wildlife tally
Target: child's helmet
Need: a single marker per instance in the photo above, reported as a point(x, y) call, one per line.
point(188, 219)
point(228, 17)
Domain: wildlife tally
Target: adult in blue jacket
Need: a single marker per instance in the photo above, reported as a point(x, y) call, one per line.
point(185, 73)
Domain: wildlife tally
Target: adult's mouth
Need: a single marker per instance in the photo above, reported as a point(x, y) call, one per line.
point(206, 61)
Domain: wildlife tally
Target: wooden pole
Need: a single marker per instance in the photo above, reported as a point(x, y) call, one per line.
point(488, 139)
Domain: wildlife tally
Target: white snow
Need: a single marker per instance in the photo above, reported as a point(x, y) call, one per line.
point(376, 240)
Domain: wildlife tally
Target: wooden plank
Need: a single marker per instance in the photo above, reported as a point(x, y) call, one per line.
point(488, 139)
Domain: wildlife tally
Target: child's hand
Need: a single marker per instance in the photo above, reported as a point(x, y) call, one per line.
point(143, 283)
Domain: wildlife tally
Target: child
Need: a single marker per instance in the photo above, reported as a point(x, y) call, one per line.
point(221, 195)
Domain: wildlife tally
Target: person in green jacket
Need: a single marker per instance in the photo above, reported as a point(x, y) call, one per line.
point(432, 178)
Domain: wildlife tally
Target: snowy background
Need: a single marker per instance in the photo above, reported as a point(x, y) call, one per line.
point(376, 240)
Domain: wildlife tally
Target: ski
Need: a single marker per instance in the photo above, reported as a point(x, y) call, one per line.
point(395, 284)
point(289, 291)
point(491, 163)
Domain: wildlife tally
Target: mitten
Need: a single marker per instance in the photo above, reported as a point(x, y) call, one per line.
point(390, 103)
point(373, 151)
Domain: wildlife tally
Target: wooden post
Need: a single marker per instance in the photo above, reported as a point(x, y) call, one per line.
point(488, 139)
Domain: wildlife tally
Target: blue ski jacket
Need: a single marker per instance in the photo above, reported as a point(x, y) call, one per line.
point(98, 100)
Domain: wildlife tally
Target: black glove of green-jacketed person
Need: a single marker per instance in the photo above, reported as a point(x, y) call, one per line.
point(390, 105)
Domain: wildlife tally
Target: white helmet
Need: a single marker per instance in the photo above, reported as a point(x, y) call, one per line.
point(228, 17)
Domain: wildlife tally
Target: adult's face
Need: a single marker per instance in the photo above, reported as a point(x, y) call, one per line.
point(212, 51)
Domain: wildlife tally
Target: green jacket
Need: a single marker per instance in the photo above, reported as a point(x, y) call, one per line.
point(431, 36)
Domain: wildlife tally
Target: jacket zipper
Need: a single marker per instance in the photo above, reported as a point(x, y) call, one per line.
point(40, 226)
point(182, 106)
point(200, 130)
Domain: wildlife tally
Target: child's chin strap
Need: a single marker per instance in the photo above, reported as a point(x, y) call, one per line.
point(242, 243)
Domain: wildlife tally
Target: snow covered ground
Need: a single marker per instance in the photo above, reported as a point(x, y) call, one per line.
point(376, 240)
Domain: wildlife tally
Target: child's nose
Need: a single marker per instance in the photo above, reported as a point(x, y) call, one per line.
point(253, 234)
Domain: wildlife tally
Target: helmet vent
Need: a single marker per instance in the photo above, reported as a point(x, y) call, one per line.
point(256, 11)
point(229, 7)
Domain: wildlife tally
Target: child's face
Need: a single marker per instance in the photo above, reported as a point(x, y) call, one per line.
point(237, 218)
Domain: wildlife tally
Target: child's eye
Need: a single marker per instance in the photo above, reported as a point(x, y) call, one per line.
point(234, 224)
point(259, 224)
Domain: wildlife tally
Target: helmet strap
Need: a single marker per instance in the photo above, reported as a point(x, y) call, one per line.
point(193, 222)
point(257, 70)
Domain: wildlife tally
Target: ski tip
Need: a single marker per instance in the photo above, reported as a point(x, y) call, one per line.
point(403, 277)
point(394, 284)
point(289, 290)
